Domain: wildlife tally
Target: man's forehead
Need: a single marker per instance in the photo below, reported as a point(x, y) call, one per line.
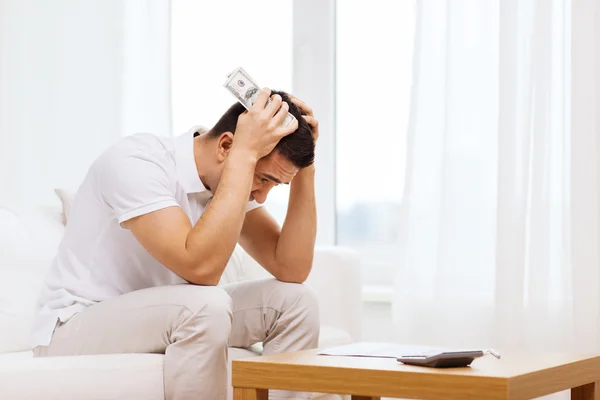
point(276, 166)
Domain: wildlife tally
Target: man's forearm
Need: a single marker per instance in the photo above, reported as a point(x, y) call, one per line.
point(212, 240)
point(295, 247)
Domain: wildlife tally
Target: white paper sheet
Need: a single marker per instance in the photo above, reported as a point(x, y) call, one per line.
point(382, 350)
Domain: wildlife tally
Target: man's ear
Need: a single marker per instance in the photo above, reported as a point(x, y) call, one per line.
point(224, 144)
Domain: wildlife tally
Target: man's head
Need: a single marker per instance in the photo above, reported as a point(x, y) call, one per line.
point(297, 147)
point(293, 152)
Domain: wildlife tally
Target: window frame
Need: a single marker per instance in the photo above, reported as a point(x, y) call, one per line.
point(313, 81)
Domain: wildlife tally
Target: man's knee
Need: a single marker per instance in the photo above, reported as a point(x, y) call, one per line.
point(209, 310)
point(301, 298)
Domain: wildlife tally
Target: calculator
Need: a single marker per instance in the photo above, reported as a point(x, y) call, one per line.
point(442, 359)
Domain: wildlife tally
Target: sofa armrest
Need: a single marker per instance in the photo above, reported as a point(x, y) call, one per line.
point(336, 278)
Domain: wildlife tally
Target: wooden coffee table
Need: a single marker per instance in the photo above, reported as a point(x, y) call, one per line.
point(512, 377)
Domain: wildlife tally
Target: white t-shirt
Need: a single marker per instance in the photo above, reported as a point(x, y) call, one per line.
point(98, 259)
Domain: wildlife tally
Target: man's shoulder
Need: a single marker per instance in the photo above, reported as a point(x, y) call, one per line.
point(143, 143)
point(134, 156)
point(142, 146)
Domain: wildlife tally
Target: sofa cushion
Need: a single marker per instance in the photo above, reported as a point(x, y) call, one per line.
point(29, 236)
point(120, 376)
point(106, 377)
point(67, 198)
point(28, 241)
point(19, 288)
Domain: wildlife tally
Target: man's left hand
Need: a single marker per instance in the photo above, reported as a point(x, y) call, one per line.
point(314, 124)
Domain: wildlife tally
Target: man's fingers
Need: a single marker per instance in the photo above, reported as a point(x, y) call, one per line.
point(281, 114)
point(286, 130)
point(275, 105)
point(311, 121)
point(261, 100)
point(302, 105)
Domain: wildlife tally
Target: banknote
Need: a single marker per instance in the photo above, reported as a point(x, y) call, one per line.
point(243, 87)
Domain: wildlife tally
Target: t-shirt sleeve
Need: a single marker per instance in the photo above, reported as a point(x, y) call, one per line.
point(132, 186)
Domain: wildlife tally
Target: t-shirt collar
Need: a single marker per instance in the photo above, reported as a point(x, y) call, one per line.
point(187, 171)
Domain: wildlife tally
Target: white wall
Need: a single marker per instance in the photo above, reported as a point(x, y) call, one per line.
point(58, 67)
point(74, 77)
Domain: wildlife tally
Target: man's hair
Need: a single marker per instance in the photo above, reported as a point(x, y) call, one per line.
point(298, 147)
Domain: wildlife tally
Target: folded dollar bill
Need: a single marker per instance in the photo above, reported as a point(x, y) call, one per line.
point(243, 87)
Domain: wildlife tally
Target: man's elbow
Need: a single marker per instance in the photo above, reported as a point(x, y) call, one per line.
point(292, 280)
point(293, 275)
point(206, 274)
point(203, 281)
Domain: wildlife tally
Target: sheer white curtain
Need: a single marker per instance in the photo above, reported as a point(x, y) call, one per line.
point(500, 215)
point(74, 77)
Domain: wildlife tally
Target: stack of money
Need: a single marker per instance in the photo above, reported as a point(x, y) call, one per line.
point(246, 90)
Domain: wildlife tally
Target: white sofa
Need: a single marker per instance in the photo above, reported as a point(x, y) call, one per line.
point(28, 239)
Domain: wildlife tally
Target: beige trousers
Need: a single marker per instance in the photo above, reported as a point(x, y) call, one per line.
point(193, 326)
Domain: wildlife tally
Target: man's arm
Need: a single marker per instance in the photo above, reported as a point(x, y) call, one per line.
point(287, 253)
point(200, 253)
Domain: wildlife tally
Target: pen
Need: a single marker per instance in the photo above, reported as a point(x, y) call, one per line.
point(494, 353)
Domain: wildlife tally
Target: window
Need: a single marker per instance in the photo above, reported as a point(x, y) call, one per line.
point(209, 40)
point(373, 77)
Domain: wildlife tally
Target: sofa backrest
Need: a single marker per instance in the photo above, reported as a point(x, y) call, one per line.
point(28, 241)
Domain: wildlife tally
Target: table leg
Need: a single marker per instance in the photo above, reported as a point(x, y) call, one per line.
point(355, 397)
point(591, 391)
point(250, 394)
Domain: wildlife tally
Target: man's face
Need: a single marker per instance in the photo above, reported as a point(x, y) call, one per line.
point(271, 171)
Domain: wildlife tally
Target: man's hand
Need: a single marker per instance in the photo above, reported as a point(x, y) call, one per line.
point(309, 117)
point(259, 129)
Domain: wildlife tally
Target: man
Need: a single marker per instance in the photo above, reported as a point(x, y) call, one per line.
point(152, 228)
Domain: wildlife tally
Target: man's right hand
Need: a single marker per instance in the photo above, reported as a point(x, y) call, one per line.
point(259, 129)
